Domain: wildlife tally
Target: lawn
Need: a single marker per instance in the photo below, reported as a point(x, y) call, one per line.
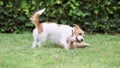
point(16, 52)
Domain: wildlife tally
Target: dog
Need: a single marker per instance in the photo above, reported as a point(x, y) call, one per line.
point(56, 33)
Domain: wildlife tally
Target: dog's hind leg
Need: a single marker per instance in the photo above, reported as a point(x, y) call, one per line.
point(42, 40)
point(35, 42)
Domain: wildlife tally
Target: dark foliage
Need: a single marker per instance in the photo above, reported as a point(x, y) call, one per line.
point(101, 16)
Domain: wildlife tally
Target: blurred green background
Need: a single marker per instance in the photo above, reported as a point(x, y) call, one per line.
point(93, 16)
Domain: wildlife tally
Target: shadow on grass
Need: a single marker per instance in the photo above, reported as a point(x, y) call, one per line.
point(51, 45)
point(54, 45)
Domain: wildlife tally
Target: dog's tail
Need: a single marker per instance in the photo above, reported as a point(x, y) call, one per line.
point(35, 20)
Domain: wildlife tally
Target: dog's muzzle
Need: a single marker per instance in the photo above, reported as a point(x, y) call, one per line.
point(79, 40)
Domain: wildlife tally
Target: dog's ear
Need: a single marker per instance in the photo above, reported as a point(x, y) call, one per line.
point(76, 26)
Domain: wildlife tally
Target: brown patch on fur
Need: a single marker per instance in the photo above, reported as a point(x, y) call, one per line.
point(40, 28)
point(78, 31)
point(59, 25)
point(35, 20)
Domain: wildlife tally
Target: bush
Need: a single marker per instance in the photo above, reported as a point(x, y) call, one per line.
point(92, 15)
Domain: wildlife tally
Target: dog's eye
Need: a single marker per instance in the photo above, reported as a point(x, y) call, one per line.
point(80, 33)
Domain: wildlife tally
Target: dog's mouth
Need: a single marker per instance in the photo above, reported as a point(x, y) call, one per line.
point(77, 40)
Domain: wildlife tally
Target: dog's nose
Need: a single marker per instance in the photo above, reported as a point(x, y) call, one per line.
point(81, 39)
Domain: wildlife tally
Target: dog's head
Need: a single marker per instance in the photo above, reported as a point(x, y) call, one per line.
point(78, 34)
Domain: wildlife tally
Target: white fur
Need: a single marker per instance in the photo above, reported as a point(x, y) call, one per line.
point(56, 34)
point(41, 11)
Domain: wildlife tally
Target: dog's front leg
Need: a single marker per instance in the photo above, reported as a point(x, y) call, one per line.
point(64, 44)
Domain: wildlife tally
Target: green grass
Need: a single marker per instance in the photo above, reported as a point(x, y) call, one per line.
point(16, 52)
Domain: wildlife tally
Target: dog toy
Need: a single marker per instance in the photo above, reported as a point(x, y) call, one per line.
point(75, 44)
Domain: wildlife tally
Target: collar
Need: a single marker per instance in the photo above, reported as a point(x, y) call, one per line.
point(72, 32)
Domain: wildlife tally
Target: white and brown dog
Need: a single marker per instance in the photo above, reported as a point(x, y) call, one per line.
point(56, 33)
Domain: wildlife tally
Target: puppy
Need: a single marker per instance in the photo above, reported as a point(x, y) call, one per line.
point(56, 33)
